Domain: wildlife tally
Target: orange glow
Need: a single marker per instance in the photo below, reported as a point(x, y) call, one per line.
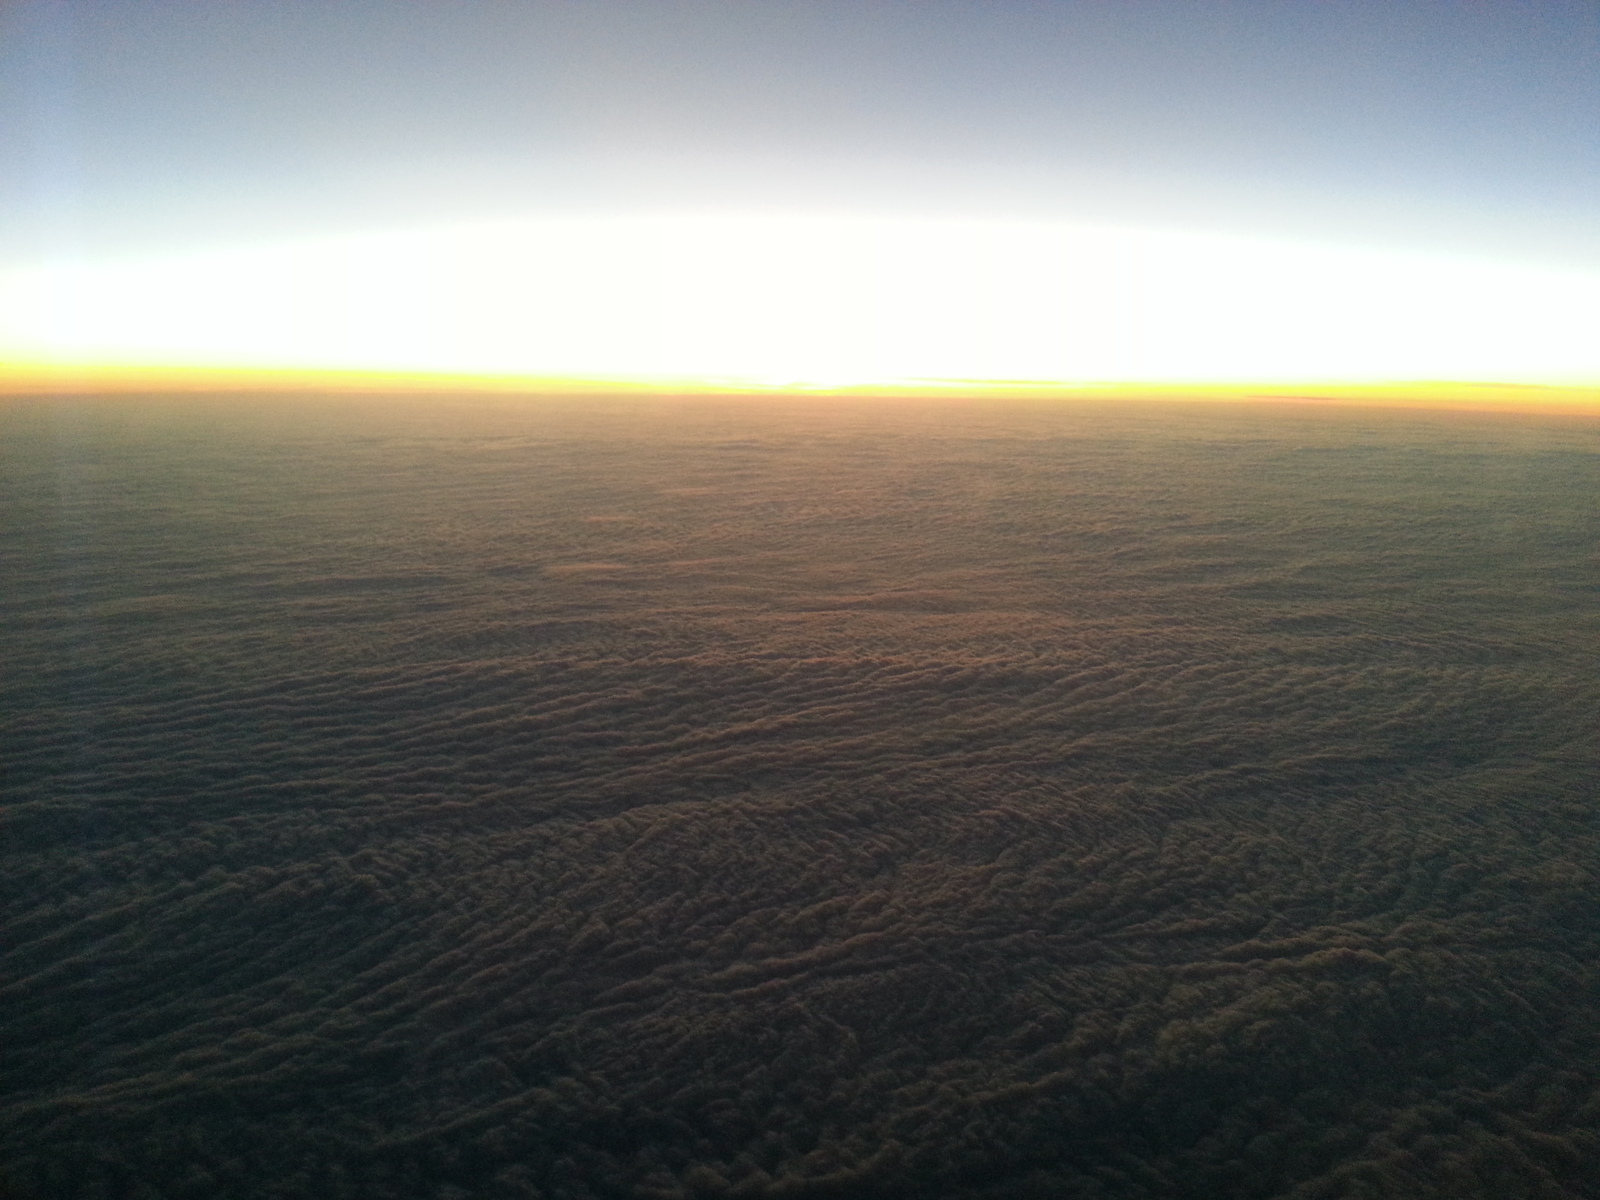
point(133, 380)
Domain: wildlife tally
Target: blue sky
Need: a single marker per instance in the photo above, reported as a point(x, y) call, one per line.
point(1460, 129)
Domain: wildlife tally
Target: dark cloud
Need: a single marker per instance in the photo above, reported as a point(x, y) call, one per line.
point(759, 798)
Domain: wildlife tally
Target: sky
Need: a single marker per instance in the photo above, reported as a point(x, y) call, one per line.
point(810, 193)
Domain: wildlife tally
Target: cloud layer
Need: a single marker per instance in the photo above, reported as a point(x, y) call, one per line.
point(798, 799)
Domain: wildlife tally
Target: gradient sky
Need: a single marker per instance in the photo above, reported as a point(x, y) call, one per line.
point(810, 191)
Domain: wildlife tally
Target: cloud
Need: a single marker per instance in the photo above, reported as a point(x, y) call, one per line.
point(930, 800)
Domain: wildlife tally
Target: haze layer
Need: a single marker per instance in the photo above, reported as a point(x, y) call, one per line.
point(693, 798)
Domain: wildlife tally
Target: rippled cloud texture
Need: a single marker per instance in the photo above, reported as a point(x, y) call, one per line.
point(798, 799)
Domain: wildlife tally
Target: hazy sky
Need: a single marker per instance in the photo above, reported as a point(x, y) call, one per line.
point(1449, 131)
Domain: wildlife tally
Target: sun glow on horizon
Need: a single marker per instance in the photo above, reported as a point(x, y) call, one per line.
point(810, 302)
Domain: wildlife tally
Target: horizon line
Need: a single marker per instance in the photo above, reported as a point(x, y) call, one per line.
point(46, 379)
